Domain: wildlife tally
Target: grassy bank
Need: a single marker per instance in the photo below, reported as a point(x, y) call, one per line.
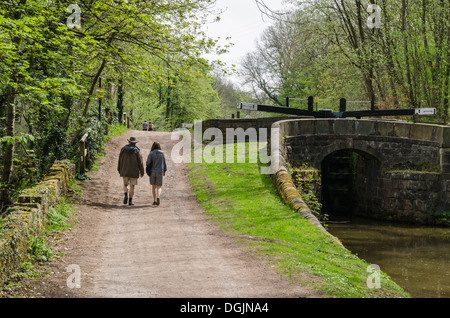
point(245, 204)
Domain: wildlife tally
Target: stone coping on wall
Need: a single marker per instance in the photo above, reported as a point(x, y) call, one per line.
point(288, 191)
point(27, 217)
point(367, 127)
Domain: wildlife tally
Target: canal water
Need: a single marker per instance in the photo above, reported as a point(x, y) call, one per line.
point(416, 258)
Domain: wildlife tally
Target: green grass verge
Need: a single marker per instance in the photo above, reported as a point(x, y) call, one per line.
point(116, 130)
point(246, 205)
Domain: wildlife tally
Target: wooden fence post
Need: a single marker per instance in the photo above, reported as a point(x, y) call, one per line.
point(108, 120)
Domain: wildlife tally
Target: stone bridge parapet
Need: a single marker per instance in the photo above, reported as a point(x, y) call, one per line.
point(390, 181)
point(393, 143)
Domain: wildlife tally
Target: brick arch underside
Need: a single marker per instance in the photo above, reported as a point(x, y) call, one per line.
point(362, 186)
point(388, 151)
point(349, 144)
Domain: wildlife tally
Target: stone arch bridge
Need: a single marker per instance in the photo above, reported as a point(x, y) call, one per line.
point(386, 169)
point(378, 168)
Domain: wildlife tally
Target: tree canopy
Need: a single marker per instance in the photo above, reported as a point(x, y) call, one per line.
point(396, 52)
point(54, 54)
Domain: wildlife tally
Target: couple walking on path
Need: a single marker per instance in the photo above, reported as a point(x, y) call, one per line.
point(131, 167)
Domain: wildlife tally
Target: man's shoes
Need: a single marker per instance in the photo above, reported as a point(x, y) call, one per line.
point(157, 201)
point(129, 202)
point(154, 203)
point(125, 199)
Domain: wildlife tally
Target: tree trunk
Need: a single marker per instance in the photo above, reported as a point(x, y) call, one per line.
point(169, 103)
point(91, 90)
point(406, 52)
point(120, 101)
point(446, 86)
point(8, 148)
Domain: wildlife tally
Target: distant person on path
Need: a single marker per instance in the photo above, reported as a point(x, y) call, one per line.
point(150, 126)
point(145, 125)
point(157, 160)
point(130, 167)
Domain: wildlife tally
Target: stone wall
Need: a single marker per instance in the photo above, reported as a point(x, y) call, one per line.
point(403, 195)
point(290, 195)
point(27, 218)
point(409, 196)
point(244, 123)
point(393, 144)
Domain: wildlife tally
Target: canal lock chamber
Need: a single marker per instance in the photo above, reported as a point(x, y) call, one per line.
point(349, 185)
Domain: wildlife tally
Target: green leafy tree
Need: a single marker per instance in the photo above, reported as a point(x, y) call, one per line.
point(396, 52)
point(51, 64)
point(35, 71)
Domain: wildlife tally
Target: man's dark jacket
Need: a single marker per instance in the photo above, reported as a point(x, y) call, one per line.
point(130, 162)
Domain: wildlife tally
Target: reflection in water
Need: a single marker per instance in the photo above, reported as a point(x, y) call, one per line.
point(416, 258)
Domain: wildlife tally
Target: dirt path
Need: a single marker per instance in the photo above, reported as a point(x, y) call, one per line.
point(169, 251)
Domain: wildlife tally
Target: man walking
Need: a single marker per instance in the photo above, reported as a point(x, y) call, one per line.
point(145, 126)
point(130, 167)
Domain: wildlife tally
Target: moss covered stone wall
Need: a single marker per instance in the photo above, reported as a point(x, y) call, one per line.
point(27, 217)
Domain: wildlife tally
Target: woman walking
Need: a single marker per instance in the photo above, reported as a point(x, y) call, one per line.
point(157, 161)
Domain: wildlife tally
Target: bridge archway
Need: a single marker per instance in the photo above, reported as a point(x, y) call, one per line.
point(350, 181)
